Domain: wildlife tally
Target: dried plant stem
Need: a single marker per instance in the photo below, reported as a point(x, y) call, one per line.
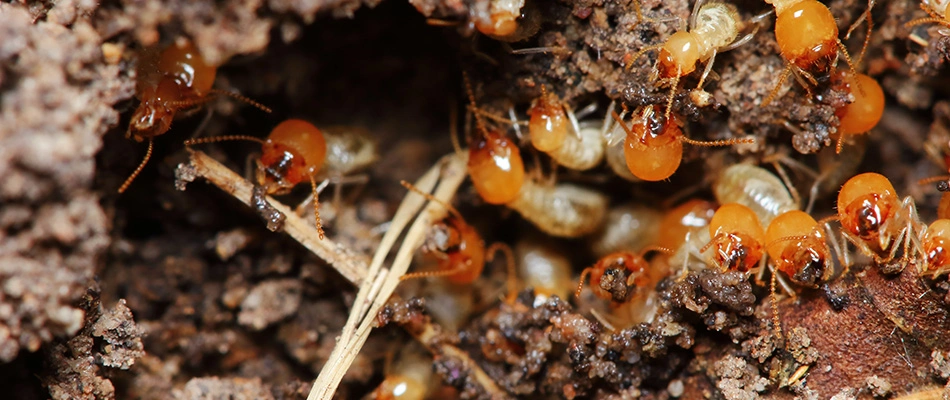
point(348, 263)
point(377, 283)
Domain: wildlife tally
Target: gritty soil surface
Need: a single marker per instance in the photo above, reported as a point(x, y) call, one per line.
point(159, 293)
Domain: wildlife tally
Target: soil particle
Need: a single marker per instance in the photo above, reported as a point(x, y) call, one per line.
point(940, 364)
point(223, 389)
point(878, 387)
point(738, 380)
point(269, 302)
point(123, 339)
point(56, 104)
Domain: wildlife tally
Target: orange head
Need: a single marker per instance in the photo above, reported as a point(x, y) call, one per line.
point(653, 150)
point(548, 124)
point(797, 246)
point(462, 247)
point(868, 106)
point(679, 55)
point(499, 23)
point(400, 387)
point(807, 35)
point(936, 244)
point(294, 151)
point(616, 275)
point(865, 203)
point(157, 109)
point(737, 238)
point(184, 63)
point(683, 219)
point(496, 168)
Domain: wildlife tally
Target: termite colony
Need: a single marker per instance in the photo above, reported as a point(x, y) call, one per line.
point(632, 216)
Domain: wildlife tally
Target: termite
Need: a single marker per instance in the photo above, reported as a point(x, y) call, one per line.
point(619, 275)
point(936, 249)
point(408, 378)
point(937, 11)
point(738, 239)
point(713, 28)
point(654, 150)
point(460, 248)
point(807, 37)
point(498, 175)
point(170, 80)
point(506, 20)
point(756, 188)
point(545, 268)
point(863, 114)
point(875, 220)
point(294, 152)
point(554, 130)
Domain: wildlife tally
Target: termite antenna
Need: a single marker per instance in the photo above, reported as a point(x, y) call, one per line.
point(432, 274)
point(669, 101)
point(580, 282)
point(851, 65)
point(148, 155)
point(658, 249)
point(455, 213)
point(935, 179)
point(471, 99)
point(776, 321)
point(786, 239)
point(778, 85)
point(512, 280)
point(866, 16)
point(453, 126)
point(934, 18)
point(226, 138)
point(717, 143)
point(243, 98)
point(316, 206)
point(639, 54)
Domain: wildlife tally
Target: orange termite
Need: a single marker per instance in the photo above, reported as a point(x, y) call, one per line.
point(737, 238)
point(294, 152)
point(654, 150)
point(807, 37)
point(169, 80)
point(936, 248)
point(863, 114)
point(619, 275)
point(875, 219)
point(460, 247)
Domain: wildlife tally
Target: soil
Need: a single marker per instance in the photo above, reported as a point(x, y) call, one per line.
point(160, 293)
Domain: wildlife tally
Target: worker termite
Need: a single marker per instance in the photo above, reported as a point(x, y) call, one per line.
point(807, 37)
point(408, 378)
point(549, 128)
point(545, 268)
point(713, 28)
point(737, 238)
point(170, 80)
point(460, 248)
point(863, 114)
point(654, 150)
point(756, 188)
point(294, 152)
point(875, 220)
point(936, 249)
point(630, 226)
point(619, 275)
point(498, 175)
point(937, 11)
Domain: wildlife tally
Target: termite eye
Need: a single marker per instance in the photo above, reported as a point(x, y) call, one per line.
point(864, 113)
point(679, 54)
point(807, 35)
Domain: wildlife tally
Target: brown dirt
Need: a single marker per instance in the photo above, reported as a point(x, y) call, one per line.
point(157, 293)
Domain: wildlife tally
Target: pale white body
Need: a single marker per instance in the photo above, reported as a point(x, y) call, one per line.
point(629, 227)
point(583, 151)
point(756, 188)
point(561, 210)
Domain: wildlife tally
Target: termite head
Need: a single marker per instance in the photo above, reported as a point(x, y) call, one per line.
point(548, 125)
point(653, 149)
point(679, 55)
point(184, 64)
point(798, 248)
point(293, 153)
point(156, 111)
point(618, 275)
point(737, 238)
point(865, 203)
point(807, 34)
point(682, 220)
point(400, 387)
point(936, 246)
point(867, 108)
point(496, 168)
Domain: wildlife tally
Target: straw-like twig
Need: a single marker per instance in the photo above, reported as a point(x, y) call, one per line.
point(376, 282)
